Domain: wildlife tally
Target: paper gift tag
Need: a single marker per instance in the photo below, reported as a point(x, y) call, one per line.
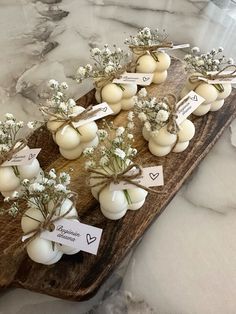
point(143, 79)
point(23, 157)
point(75, 234)
point(193, 100)
point(104, 111)
point(231, 80)
point(181, 46)
point(151, 176)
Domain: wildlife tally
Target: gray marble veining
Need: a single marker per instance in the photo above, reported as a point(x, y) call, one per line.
point(186, 261)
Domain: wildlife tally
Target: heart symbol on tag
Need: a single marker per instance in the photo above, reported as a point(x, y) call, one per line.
point(90, 239)
point(153, 176)
point(194, 98)
point(104, 109)
point(31, 156)
point(145, 79)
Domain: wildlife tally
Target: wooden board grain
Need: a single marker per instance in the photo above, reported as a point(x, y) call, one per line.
point(78, 277)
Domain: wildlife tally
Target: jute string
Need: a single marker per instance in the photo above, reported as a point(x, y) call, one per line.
point(86, 114)
point(194, 78)
point(14, 150)
point(48, 224)
point(124, 176)
point(146, 49)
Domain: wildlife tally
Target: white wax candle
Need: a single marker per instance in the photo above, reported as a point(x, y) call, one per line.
point(187, 131)
point(163, 62)
point(180, 147)
point(163, 137)
point(146, 64)
point(129, 90)
point(8, 180)
point(29, 171)
point(41, 251)
point(159, 77)
point(111, 93)
point(127, 103)
point(202, 109)
point(88, 131)
point(67, 137)
point(158, 150)
point(31, 219)
point(208, 92)
point(227, 91)
point(216, 105)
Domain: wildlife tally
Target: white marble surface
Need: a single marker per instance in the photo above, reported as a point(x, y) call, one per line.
point(185, 263)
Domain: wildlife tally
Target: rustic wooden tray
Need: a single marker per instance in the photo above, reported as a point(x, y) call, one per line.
point(78, 277)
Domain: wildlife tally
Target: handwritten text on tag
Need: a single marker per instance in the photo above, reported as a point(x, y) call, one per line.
point(143, 79)
point(23, 157)
point(193, 100)
point(151, 176)
point(104, 111)
point(231, 80)
point(77, 235)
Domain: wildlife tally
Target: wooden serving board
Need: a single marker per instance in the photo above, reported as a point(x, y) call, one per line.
point(78, 277)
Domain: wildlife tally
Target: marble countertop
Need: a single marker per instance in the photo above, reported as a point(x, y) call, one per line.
point(186, 262)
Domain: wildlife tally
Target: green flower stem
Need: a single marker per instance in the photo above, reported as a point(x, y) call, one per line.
point(127, 196)
point(219, 87)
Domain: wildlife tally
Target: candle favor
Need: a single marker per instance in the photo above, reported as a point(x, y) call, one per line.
point(107, 66)
point(210, 76)
point(147, 48)
point(16, 159)
point(110, 163)
point(165, 123)
point(64, 120)
point(48, 200)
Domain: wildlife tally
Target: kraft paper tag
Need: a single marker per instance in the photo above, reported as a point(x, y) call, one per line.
point(105, 110)
point(231, 80)
point(75, 234)
point(23, 157)
point(143, 79)
point(193, 100)
point(151, 176)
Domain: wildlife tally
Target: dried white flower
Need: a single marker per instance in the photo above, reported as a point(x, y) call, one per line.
point(64, 85)
point(142, 116)
point(142, 92)
point(120, 131)
point(120, 153)
point(60, 188)
point(53, 84)
point(162, 115)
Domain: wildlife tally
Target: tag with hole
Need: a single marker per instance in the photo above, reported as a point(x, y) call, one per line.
point(104, 110)
point(75, 234)
point(151, 176)
point(23, 157)
point(143, 79)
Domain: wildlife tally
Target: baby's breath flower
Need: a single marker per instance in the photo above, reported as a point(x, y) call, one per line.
point(31, 124)
point(52, 173)
point(89, 164)
point(9, 116)
point(53, 84)
point(120, 131)
point(36, 187)
point(142, 92)
point(120, 153)
point(64, 85)
point(162, 115)
point(130, 116)
point(60, 188)
point(88, 151)
point(142, 116)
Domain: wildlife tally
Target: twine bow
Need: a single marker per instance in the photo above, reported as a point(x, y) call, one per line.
point(86, 114)
point(104, 80)
point(172, 125)
point(124, 176)
point(194, 78)
point(142, 50)
point(47, 224)
point(14, 150)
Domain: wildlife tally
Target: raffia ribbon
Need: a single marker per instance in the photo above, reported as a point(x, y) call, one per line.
point(144, 49)
point(48, 224)
point(86, 114)
point(14, 150)
point(116, 178)
point(194, 78)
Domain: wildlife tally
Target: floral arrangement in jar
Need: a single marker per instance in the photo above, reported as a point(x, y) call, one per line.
point(107, 65)
point(160, 128)
point(111, 162)
point(10, 145)
point(61, 113)
point(145, 46)
point(48, 200)
point(208, 66)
